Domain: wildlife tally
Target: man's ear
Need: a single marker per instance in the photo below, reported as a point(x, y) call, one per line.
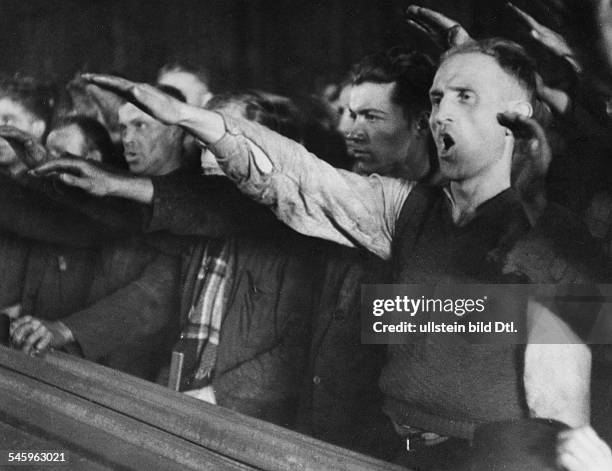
point(521, 107)
point(421, 122)
point(38, 128)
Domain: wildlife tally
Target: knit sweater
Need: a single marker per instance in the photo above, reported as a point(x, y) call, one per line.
point(443, 388)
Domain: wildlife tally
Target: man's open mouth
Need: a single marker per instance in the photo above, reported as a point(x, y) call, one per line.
point(447, 142)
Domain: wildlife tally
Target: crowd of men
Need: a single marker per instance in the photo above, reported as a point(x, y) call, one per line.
point(238, 229)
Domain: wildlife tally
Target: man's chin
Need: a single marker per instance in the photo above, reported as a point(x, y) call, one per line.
point(361, 168)
point(451, 171)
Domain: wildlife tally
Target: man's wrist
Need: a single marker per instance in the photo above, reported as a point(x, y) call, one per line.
point(64, 332)
point(134, 188)
point(205, 125)
point(117, 185)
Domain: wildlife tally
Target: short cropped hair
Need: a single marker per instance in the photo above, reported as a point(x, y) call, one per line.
point(510, 56)
point(259, 107)
point(35, 96)
point(411, 71)
point(199, 71)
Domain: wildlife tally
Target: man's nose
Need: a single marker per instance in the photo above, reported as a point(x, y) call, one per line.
point(345, 123)
point(126, 135)
point(356, 131)
point(443, 112)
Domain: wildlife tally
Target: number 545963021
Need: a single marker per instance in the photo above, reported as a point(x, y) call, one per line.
point(40, 457)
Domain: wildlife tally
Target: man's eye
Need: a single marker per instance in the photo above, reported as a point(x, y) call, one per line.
point(466, 96)
point(371, 117)
point(435, 100)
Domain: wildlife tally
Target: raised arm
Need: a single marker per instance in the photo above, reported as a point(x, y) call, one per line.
point(306, 193)
point(28, 213)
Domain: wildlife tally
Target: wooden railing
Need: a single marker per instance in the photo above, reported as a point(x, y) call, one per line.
point(117, 421)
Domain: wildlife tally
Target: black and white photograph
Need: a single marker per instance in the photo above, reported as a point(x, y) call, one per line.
point(306, 235)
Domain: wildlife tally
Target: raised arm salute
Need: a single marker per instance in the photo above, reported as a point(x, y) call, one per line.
point(463, 232)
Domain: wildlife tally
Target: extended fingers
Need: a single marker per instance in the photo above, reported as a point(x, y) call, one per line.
point(74, 166)
point(430, 16)
point(521, 125)
point(419, 27)
point(531, 22)
point(511, 120)
point(10, 132)
point(110, 82)
point(529, 129)
point(77, 182)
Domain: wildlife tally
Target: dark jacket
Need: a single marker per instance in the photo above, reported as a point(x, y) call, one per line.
point(131, 310)
point(341, 402)
point(265, 330)
point(117, 294)
point(13, 261)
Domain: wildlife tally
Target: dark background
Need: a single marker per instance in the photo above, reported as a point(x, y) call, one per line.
point(286, 46)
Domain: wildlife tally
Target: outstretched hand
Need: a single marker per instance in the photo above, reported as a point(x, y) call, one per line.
point(19, 151)
point(78, 173)
point(443, 31)
point(158, 104)
point(33, 152)
point(548, 38)
point(531, 161)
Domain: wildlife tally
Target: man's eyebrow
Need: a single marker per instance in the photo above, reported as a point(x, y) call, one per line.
point(367, 110)
point(462, 88)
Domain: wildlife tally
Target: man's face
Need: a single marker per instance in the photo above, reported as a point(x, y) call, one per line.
point(341, 106)
point(68, 139)
point(468, 92)
point(148, 145)
point(380, 138)
point(195, 91)
point(14, 114)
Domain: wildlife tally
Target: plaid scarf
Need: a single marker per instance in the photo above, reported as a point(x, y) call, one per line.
point(200, 333)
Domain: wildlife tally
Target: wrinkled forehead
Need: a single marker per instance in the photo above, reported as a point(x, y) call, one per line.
point(476, 71)
point(129, 113)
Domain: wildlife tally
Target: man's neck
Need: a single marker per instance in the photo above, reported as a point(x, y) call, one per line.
point(467, 195)
point(174, 162)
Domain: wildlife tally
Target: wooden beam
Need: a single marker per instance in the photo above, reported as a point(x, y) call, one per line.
point(109, 437)
point(228, 433)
